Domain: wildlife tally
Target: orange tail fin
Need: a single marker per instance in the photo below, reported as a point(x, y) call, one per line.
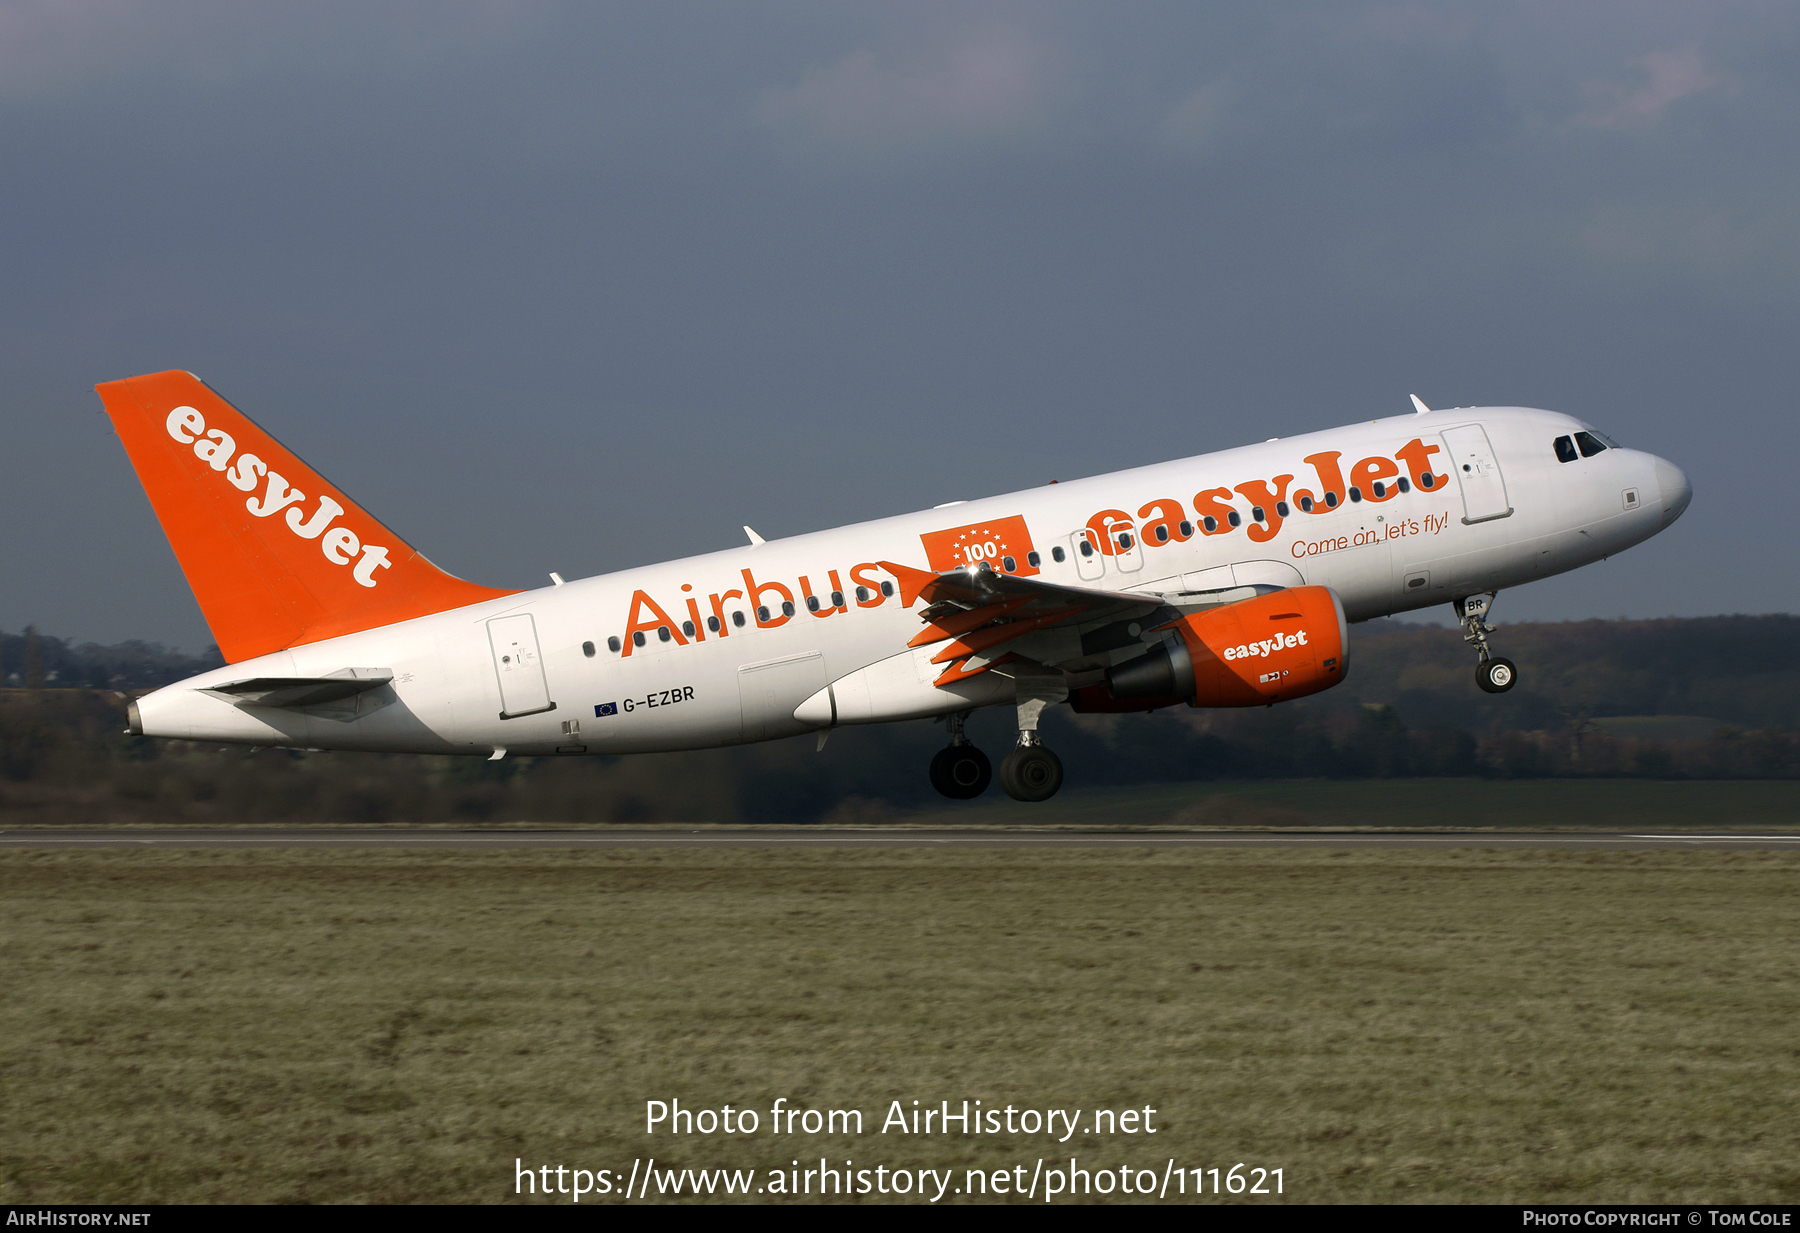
point(276, 556)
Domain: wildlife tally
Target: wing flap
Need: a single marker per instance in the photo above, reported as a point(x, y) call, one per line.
point(977, 587)
point(977, 612)
point(986, 618)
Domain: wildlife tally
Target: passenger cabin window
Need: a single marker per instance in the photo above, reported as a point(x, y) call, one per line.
point(613, 645)
point(862, 595)
point(1008, 564)
point(687, 627)
point(637, 638)
point(1306, 504)
point(812, 603)
point(1589, 443)
point(1057, 554)
point(712, 624)
point(737, 619)
point(587, 649)
point(887, 588)
point(662, 633)
point(1034, 559)
point(1565, 449)
point(1187, 528)
point(787, 609)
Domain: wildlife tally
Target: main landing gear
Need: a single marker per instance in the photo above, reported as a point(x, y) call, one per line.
point(1494, 673)
point(960, 771)
point(1029, 772)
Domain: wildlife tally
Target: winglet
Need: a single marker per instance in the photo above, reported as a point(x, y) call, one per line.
point(912, 581)
point(1419, 404)
point(755, 539)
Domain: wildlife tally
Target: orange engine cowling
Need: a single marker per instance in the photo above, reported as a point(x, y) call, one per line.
point(1286, 644)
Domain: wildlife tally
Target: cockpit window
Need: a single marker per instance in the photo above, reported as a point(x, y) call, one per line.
point(1589, 443)
point(1565, 449)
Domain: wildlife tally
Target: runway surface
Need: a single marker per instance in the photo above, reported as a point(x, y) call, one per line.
point(887, 836)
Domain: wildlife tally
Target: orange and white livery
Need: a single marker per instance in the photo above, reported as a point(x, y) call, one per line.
point(1229, 579)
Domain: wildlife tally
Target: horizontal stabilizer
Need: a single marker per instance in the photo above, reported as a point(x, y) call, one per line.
point(296, 692)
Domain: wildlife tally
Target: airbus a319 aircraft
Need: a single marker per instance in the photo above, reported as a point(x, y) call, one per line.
point(1226, 580)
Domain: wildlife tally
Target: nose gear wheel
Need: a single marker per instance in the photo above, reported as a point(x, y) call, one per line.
point(1497, 675)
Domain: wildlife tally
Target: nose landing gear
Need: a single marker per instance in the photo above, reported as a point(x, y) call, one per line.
point(1495, 674)
point(960, 771)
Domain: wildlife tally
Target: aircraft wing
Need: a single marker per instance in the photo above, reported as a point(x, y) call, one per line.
point(984, 618)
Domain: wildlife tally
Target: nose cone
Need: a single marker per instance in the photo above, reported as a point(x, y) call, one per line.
point(1676, 491)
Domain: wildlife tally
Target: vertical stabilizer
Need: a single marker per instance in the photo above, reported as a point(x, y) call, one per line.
point(276, 556)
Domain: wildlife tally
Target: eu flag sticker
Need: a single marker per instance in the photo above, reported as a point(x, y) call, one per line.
point(606, 708)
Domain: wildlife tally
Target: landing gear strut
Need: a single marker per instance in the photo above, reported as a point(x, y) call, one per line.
point(1030, 772)
point(1494, 673)
point(960, 771)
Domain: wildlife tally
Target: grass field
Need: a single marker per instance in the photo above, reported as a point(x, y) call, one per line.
point(1528, 804)
point(1503, 804)
point(401, 1026)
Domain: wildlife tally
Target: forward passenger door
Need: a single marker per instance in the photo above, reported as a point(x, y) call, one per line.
point(1478, 471)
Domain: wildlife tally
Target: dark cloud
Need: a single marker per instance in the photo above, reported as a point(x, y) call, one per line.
point(579, 287)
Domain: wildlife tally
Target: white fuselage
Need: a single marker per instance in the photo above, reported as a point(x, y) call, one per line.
point(472, 680)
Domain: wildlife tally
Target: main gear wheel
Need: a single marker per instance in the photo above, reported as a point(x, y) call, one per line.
point(1031, 773)
point(961, 772)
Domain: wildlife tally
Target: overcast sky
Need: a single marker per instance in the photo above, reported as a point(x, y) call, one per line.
point(579, 287)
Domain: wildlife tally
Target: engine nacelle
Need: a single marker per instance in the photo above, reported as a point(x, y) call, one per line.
point(1283, 645)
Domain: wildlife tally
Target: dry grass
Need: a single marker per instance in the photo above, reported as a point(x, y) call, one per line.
point(399, 1026)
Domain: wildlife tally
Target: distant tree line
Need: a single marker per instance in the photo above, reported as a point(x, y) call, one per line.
point(31, 660)
point(1700, 698)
